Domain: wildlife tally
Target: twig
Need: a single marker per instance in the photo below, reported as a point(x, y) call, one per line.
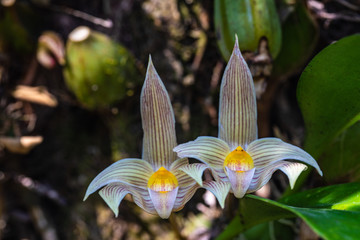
point(30, 72)
point(107, 23)
point(46, 230)
point(39, 188)
point(319, 9)
point(200, 46)
point(349, 5)
point(98, 21)
point(216, 75)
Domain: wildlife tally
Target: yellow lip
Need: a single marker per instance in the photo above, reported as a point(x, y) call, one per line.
point(162, 181)
point(239, 160)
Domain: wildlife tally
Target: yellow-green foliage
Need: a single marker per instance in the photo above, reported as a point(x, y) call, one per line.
point(99, 71)
point(251, 20)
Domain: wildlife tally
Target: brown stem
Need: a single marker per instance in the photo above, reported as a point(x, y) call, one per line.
point(30, 72)
point(264, 105)
point(230, 205)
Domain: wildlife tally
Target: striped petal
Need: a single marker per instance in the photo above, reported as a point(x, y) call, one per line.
point(142, 198)
point(240, 181)
point(267, 151)
point(113, 194)
point(209, 150)
point(237, 108)
point(263, 175)
point(184, 195)
point(219, 175)
point(178, 164)
point(183, 178)
point(131, 171)
point(195, 171)
point(293, 171)
point(187, 185)
point(158, 121)
point(163, 201)
point(219, 189)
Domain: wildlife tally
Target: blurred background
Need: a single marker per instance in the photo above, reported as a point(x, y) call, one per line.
point(70, 79)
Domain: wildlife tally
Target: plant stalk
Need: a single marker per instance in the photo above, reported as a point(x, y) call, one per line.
point(175, 226)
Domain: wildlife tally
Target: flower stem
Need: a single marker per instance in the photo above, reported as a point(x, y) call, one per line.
point(230, 205)
point(175, 226)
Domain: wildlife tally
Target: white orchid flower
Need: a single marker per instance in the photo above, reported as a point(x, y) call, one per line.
point(237, 157)
point(155, 181)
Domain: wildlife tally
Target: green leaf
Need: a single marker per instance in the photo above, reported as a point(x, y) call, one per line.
point(13, 35)
point(341, 197)
point(279, 230)
point(343, 154)
point(322, 209)
point(299, 37)
point(328, 94)
point(252, 212)
point(331, 224)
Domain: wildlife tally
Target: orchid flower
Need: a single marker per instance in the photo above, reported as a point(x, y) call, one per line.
point(237, 157)
point(155, 181)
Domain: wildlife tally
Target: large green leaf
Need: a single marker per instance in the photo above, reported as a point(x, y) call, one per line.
point(328, 94)
point(344, 156)
point(340, 197)
point(279, 230)
point(253, 211)
point(322, 209)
